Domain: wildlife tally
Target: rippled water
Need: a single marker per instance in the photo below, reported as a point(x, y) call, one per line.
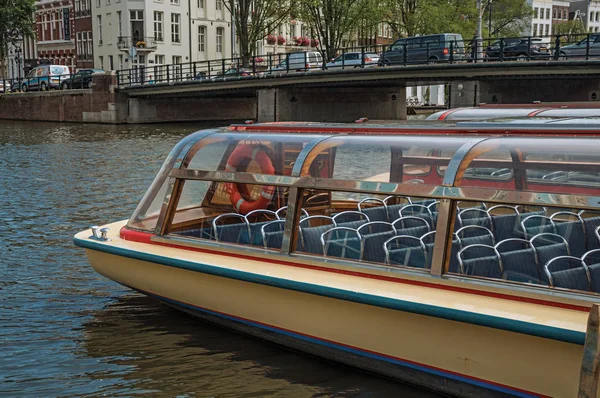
point(67, 331)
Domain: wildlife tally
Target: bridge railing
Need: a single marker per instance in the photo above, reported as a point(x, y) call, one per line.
point(411, 51)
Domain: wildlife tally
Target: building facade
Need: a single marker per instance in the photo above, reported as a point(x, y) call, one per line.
point(55, 25)
point(541, 20)
point(21, 58)
point(587, 11)
point(143, 36)
point(560, 12)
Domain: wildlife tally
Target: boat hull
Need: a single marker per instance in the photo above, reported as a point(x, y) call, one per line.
point(452, 357)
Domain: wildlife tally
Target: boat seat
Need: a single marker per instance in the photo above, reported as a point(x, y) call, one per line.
point(282, 213)
point(474, 216)
point(480, 260)
point(537, 224)
point(519, 262)
point(310, 238)
point(372, 237)
point(474, 234)
point(591, 260)
point(428, 241)
point(405, 250)
point(454, 265)
point(350, 216)
point(374, 213)
point(417, 210)
point(548, 246)
point(591, 224)
point(237, 231)
point(411, 222)
point(568, 272)
point(272, 234)
point(505, 225)
point(572, 230)
point(341, 242)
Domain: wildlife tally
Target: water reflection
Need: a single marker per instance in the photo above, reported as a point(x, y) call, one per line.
point(161, 350)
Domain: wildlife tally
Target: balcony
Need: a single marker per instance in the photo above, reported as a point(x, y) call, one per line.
point(142, 45)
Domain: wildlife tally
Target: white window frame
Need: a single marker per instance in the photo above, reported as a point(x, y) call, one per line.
point(158, 26)
point(175, 28)
point(219, 36)
point(202, 38)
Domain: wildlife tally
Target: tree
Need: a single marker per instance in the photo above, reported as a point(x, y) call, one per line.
point(570, 31)
point(254, 20)
point(420, 17)
point(16, 19)
point(509, 17)
point(335, 20)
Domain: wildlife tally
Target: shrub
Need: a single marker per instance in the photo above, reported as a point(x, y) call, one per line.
point(305, 41)
point(280, 40)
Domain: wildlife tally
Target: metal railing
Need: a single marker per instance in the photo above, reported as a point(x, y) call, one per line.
point(140, 43)
point(407, 52)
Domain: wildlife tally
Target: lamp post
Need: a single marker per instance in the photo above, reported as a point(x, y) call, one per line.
point(490, 19)
point(17, 38)
point(479, 43)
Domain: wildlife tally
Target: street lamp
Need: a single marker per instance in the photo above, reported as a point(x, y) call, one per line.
point(17, 38)
point(479, 52)
point(490, 19)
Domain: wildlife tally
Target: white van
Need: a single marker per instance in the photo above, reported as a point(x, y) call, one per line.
point(300, 62)
point(45, 77)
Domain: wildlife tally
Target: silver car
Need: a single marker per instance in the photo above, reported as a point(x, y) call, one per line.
point(353, 60)
point(580, 49)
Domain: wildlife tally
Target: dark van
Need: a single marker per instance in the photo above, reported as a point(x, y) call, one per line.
point(424, 49)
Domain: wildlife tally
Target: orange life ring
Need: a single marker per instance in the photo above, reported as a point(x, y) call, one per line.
point(256, 153)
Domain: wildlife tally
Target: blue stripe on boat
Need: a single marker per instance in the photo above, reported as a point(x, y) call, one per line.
point(549, 332)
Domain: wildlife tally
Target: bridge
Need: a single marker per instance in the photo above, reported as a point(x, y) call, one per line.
point(378, 92)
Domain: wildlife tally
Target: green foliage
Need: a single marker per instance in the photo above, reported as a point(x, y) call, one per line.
point(421, 17)
point(254, 20)
point(16, 18)
point(568, 28)
point(335, 20)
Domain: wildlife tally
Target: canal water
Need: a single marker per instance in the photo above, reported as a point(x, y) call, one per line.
point(67, 331)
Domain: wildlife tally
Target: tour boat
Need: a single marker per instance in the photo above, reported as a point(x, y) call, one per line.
point(461, 260)
point(535, 111)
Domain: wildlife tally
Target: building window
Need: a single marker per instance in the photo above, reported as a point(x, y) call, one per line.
point(535, 12)
point(101, 62)
point(119, 23)
point(158, 26)
point(547, 30)
point(79, 45)
point(220, 34)
point(110, 33)
point(98, 3)
point(534, 29)
point(175, 38)
point(177, 72)
point(111, 66)
point(175, 2)
point(90, 43)
point(201, 38)
point(201, 4)
point(219, 7)
point(591, 16)
point(547, 13)
point(120, 61)
point(107, 2)
point(99, 30)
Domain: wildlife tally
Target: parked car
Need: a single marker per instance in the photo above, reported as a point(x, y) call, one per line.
point(299, 61)
point(233, 72)
point(580, 49)
point(353, 60)
point(517, 48)
point(424, 49)
point(5, 86)
point(81, 79)
point(45, 77)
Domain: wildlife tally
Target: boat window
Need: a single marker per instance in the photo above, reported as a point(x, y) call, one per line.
point(231, 213)
point(389, 159)
point(390, 231)
point(545, 246)
point(146, 217)
point(557, 165)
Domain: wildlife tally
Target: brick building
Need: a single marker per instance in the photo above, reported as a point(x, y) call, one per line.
point(55, 24)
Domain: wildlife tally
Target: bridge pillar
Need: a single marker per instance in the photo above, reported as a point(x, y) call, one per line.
point(464, 94)
point(331, 104)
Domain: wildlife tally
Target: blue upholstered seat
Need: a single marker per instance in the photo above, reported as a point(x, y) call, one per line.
point(341, 242)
